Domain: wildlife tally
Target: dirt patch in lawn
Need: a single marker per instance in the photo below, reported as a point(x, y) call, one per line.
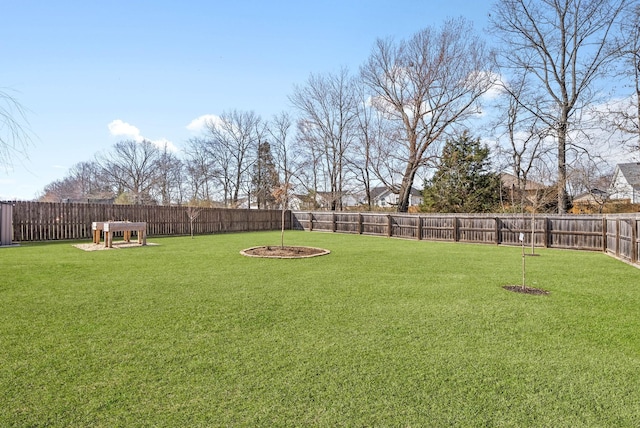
point(115, 246)
point(284, 252)
point(525, 290)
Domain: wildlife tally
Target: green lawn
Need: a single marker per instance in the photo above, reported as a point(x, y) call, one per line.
point(381, 332)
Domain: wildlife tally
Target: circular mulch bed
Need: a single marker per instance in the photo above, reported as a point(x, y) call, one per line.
point(525, 290)
point(285, 252)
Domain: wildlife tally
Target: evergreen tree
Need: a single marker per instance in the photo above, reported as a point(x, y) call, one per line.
point(265, 177)
point(463, 181)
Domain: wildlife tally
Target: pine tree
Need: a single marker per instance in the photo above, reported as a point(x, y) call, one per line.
point(265, 177)
point(463, 181)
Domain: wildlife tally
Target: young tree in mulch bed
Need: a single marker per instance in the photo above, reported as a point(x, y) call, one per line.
point(523, 288)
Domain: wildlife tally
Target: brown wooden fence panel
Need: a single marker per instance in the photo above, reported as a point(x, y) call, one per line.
point(477, 229)
point(347, 222)
point(636, 238)
point(512, 227)
point(374, 224)
point(612, 240)
point(43, 221)
point(438, 228)
point(576, 232)
point(322, 221)
point(625, 239)
point(405, 226)
point(622, 238)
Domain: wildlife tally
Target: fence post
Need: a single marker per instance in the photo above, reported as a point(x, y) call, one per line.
point(546, 232)
point(604, 234)
point(497, 230)
point(389, 226)
point(311, 222)
point(456, 230)
point(617, 237)
point(419, 237)
point(634, 239)
point(359, 223)
point(333, 221)
point(6, 223)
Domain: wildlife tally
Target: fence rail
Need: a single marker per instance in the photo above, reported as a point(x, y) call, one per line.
point(617, 235)
point(45, 221)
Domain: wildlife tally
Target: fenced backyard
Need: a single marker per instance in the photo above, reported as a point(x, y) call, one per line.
point(616, 235)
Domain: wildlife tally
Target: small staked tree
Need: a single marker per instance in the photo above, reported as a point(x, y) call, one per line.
point(281, 195)
point(192, 213)
point(463, 181)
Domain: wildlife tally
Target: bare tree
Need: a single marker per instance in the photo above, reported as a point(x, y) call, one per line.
point(327, 105)
point(83, 181)
point(566, 45)
point(59, 190)
point(132, 169)
point(372, 144)
point(169, 177)
point(622, 113)
point(311, 172)
point(233, 142)
point(14, 135)
point(192, 213)
point(525, 133)
point(279, 130)
point(222, 159)
point(590, 177)
point(427, 84)
point(200, 170)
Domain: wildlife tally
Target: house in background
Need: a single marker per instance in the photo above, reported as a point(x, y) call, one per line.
point(533, 191)
point(589, 202)
point(384, 197)
point(625, 184)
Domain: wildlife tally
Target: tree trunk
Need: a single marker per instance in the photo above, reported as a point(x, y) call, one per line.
point(562, 165)
point(405, 189)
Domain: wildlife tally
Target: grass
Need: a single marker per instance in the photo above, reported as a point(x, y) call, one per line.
point(381, 332)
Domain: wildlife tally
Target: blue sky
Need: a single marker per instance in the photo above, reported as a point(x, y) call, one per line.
point(92, 73)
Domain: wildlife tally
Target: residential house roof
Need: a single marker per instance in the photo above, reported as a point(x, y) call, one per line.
point(509, 180)
point(594, 195)
point(381, 190)
point(631, 173)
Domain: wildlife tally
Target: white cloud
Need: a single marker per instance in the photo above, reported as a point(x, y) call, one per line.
point(163, 142)
point(200, 123)
point(121, 128)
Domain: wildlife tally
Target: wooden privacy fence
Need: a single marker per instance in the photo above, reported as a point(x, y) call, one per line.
point(45, 221)
point(616, 235)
